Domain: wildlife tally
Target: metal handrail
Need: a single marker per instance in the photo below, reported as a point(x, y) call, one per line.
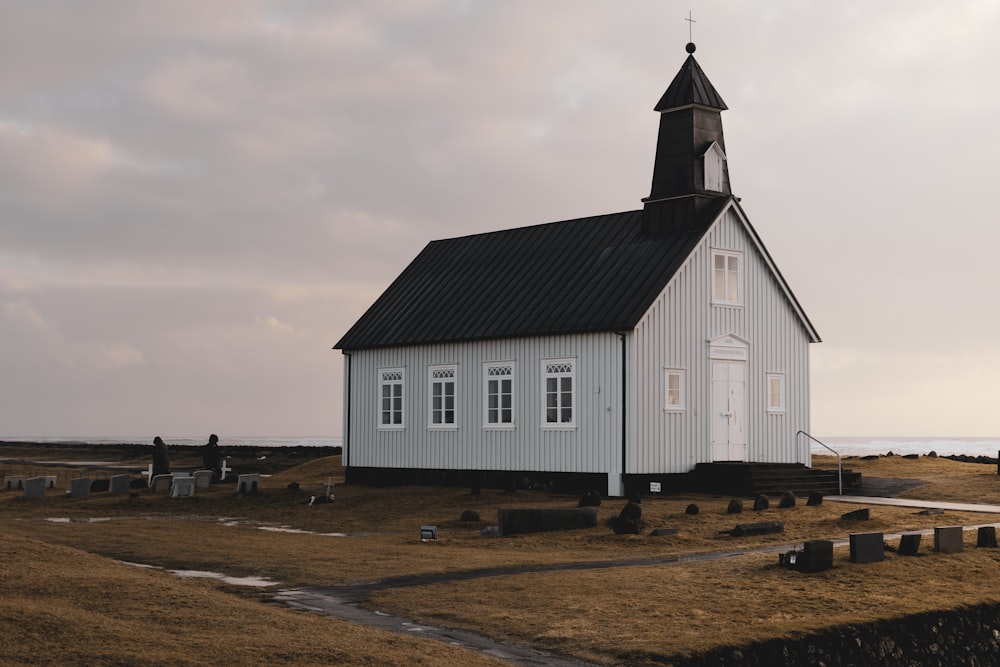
point(840, 473)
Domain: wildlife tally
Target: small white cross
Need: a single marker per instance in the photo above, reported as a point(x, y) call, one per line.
point(148, 474)
point(224, 468)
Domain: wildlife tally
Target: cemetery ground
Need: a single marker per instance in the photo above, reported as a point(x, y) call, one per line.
point(72, 592)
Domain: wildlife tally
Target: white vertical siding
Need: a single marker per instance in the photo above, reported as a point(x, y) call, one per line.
point(594, 445)
point(675, 332)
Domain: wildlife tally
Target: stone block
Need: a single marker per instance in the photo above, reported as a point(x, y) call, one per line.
point(79, 487)
point(522, 521)
point(34, 487)
point(816, 556)
point(760, 528)
point(909, 544)
point(867, 548)
point(815, 498)
point(987, 537)
point(858, 515)
point(948, 539)
point(120, 484)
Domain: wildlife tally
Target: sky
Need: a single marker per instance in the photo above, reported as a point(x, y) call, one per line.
point(197, 199)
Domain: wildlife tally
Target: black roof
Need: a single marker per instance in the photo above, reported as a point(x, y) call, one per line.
point(690, 86)
point(591, 274)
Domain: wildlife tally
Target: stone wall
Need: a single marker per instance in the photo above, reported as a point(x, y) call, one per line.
point(963, 636)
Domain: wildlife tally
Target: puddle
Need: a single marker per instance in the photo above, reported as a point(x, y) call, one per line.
point(284, 529)
point(260, 582)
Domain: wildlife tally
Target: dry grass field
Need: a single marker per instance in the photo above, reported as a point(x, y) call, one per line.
point(69, 599)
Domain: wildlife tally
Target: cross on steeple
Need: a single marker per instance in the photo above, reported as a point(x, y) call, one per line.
point(691, 23)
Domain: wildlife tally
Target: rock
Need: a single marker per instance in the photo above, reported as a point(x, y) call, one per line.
point(691, 509)
point(932, 454)
point(631, 511)
point(660, 532)
point(815, 498)
point(762, 528)
point(858, 515)
point(931, 511)
point(762, 503)
point(469, 515)
point(735, 506)
point(590, 499)
point(293, 487)
point(787, 500)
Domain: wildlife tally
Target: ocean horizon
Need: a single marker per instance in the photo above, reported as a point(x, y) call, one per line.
point(844, 445)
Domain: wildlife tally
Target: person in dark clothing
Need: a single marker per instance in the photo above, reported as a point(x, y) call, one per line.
point(210, 457)
point(161, 457)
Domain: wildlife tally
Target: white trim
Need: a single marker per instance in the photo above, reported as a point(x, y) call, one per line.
point(499, 371)
point(559, 370)
point(388, 378)
point(444, 380)
point(781, 405)
point(680, 397)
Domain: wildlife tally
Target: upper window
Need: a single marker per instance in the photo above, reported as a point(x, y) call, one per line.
point(498, 391)
point(775, 392)
point(391, 394)
point(714, 162)
point(674, 389)
point(443, 386)
point(727, 277)
point(560, 392)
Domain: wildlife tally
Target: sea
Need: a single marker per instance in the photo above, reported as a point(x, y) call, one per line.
point(845, 446)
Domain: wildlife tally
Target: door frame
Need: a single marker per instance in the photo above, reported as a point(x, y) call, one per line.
point(734, 350)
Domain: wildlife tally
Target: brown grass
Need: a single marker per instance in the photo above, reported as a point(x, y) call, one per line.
point(609, 615)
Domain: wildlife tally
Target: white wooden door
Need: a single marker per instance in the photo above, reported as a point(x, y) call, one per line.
point(729, 411)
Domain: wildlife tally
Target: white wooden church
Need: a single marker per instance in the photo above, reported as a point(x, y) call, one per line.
point(601, 352)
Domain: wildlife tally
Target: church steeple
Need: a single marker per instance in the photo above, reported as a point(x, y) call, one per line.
point(690, 148)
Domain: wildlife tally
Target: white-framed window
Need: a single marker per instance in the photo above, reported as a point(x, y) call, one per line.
point(391, 383)
point(443, 393)
point(675, 389)
point(714, 163)
point(498, 395)
point(775, 392)
point(727, 277)
point(559, 390)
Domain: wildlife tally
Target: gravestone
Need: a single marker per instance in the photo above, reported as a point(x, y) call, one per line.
point(120, 484)
point(203, 478)
point(34, 487)
point(522, 521)
point(931, 511)
point(909, 544)
point(590, 499)
point(247, 483)
point(160, 483)
point(948, 539)
point(182, 487)
point(815, 498)
point(735, 506)
point(987, 537)
point(79, 487)
point(787, 500)
point(692, 509)
point(12, 482)
point(761, 528)
point(867, 548)
point(858, 515)
point(816, 556)
point(50, 481)
point(762, 503)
